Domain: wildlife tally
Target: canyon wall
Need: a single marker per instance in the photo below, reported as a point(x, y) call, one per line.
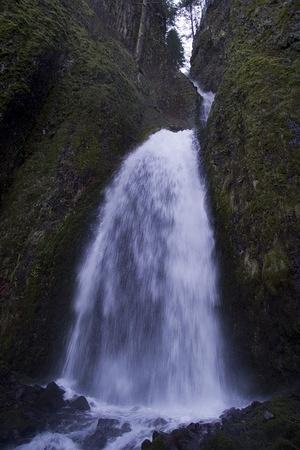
point(248, 53)
point(73, 102)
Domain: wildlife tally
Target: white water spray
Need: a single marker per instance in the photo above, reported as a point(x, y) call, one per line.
point(146, 330)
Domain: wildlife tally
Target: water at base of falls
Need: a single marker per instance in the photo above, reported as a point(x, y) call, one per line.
point(145, 347)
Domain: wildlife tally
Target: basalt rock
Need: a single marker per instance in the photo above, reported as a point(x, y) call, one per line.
point(248, 53)
point(79, 404)
point(29, 409)
point(268, 425)
point(73, 102)
point(106, 429)
point(26, 409)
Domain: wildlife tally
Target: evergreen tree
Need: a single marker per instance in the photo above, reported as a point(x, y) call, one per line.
point(175, 48)
point(170, 11)
point(189, 7)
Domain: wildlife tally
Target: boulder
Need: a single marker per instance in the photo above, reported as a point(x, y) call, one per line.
point(52, 398)
point(105, 430)
point(79, 404)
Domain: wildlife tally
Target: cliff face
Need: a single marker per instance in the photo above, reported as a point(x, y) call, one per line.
point(248, 52)
point(73, 101)
point(123, 18)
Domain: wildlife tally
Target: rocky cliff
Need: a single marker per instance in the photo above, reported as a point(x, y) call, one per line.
point(73, 101)
point(248, 53)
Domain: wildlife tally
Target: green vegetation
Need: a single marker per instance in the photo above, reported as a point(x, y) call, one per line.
point(252, 156)
point(73, 103)
point(70, 153)
point(175, 49)
point(271, 425)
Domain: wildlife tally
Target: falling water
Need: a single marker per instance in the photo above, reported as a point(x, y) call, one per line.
point(146, 329)
point(207, 101)
point(145, 346)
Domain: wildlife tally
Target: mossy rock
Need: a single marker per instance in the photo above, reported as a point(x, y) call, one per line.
point(73, 102)
point(275, 269)
point(251, 153)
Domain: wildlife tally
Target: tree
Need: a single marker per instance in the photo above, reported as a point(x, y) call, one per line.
point(142, 30)
point(169, 11)
point(189, 6)
point(175, 48)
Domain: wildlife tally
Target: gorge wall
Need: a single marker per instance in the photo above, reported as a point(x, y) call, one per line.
point(248, 53)
point(73, 101)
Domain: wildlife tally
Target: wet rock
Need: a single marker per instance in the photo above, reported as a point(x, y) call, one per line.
point(26, 409)
point(188, 438)
point(268, 415)
point(230, 414)
point(255, 404)
point(156, 434)
point(146, 444)
point(126, 428)
point(273, 424)
point(159, 422)
point(79, 404)
point(106, 429)
point(51, 398)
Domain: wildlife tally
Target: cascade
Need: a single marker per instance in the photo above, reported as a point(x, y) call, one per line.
point(145, 346)
point(146, 329)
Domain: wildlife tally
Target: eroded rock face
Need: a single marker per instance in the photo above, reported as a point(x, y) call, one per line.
point(248, 52)
point(92, 104)
point(209, 49)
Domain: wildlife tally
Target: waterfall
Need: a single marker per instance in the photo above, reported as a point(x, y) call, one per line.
point(146, 328)
point(145, 345)
point(207, 101)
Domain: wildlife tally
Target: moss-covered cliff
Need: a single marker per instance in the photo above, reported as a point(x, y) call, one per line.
point(249, 53)
point(73, 101)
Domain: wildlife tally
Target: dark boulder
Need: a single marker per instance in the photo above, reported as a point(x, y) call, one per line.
point(79, 404)
point(52, 398)
point(146, 444)
point(106, 429)
point(26, 410)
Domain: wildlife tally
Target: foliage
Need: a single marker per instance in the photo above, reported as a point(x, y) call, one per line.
point(175, 48)
point(170, 11)
point(251, 149)
point(189, 7)
point(94, 109)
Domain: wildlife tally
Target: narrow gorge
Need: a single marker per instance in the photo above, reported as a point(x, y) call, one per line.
point(149, 217)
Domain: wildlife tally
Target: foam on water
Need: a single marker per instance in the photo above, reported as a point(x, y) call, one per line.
point(50, 441)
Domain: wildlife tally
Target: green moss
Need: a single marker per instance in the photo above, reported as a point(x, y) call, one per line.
point(94, 108)
point(275, 269)
point(253, 163)
point(221, 442)
point(251, 429)
point(90, 118)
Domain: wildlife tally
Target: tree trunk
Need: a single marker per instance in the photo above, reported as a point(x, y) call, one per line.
point(142, 29)
point(192, 20)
